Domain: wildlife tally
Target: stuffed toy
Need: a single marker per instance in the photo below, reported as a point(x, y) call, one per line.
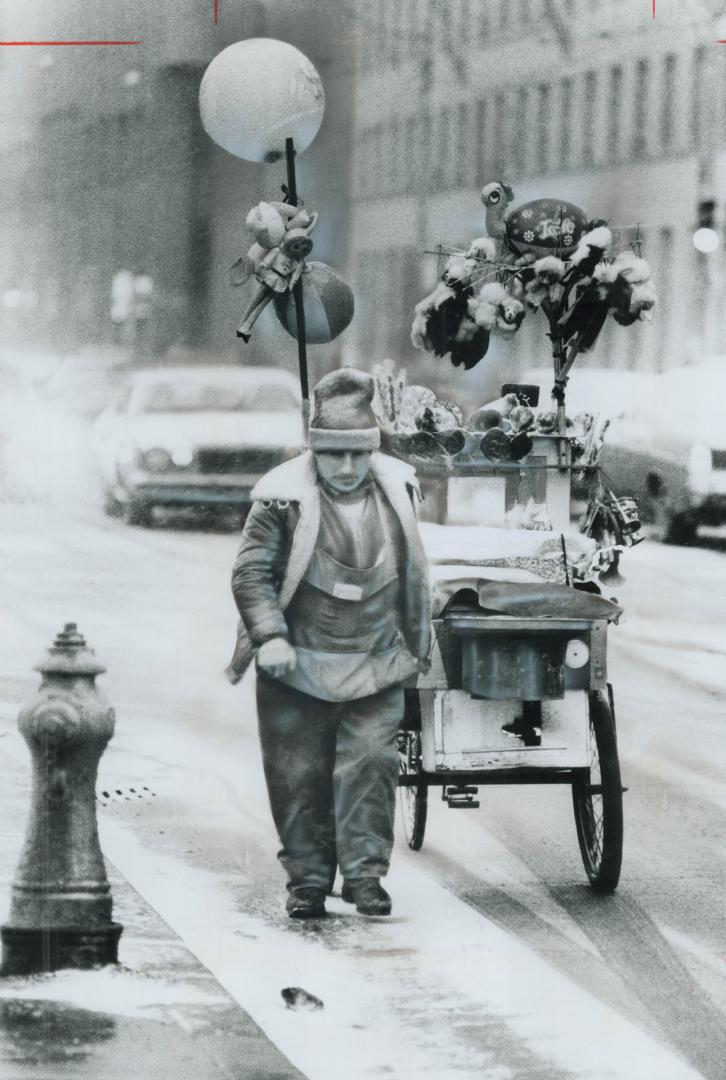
point(275, 261)
point(544, 255)
point(538, 228)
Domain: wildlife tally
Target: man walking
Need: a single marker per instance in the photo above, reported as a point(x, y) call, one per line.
point(331, 583)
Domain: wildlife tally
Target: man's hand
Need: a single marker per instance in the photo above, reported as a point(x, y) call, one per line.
point(276, 657)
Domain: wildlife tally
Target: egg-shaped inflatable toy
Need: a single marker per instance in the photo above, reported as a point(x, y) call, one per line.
point(545, 227)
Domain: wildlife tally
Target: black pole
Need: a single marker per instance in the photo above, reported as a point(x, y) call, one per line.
point(297, 291)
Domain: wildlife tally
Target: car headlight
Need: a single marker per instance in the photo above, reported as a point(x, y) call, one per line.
point(182, 456)
point(157, 460)
point(577, 653)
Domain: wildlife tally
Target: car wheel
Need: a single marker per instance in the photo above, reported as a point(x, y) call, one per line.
point(139, 512)
point(681, 528)
point(111, 506)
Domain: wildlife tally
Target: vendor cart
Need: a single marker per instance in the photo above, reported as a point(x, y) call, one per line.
point(517, 691)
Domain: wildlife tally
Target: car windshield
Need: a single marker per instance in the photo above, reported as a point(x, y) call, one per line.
point(214, 396)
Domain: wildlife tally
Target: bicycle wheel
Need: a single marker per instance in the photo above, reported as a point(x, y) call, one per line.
point(414, 799)
point(598, 801)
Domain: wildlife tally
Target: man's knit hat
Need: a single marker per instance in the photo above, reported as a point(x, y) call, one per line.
point(342, 415)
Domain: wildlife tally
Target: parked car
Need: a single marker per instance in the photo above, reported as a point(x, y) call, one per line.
point(666, 443)
point(195, 437)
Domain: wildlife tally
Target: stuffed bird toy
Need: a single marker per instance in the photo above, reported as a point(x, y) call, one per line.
point(538, 228)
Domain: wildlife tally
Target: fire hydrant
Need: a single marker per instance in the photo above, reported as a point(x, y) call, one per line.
point(60, 914)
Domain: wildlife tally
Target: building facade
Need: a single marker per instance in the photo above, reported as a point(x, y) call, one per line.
point(108, 175)
point(592, 101)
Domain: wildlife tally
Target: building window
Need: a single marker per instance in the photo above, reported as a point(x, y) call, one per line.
point(665, 275)
point(409, 154)
point(667, 101)
point(519, 146)
point(463, 145)
point(375, 186)
point(640, 105)
point(444, 165)
point(542, 133)
point(588, 119)
point(393, 162)
point(480, 140)
point(368, 170)
point(425, 156)
point(565, 122)
point(483, 28)
point(378, 33)
point(615, 105)
point(364, 167)
point(697, 77)
point(464, 20)
point(498, 155)
point(394, 23)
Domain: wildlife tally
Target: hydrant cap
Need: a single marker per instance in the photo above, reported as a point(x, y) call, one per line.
point(70, 655)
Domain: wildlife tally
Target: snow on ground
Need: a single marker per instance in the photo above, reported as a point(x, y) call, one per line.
point(400, 994)
point(111, 990)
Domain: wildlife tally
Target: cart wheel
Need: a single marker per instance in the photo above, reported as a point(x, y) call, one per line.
point(598, 801)
point(414, 800)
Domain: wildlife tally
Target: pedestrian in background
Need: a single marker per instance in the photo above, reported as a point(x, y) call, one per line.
point(331, 583)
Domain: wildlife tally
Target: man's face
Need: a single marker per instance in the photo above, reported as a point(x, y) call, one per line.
point(343, 470)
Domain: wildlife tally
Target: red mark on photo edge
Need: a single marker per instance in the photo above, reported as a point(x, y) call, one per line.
point(45, 43)
point(216, 11)
point(653, 8)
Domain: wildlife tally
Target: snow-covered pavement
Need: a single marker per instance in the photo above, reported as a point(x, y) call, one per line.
point(498, 961)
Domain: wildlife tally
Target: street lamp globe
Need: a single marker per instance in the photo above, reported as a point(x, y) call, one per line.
point(706, 241)
point(257, 93)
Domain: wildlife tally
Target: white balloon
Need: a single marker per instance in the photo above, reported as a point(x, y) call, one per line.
point(257, 93)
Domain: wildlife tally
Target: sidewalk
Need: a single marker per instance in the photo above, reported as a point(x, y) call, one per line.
point(158, 1014)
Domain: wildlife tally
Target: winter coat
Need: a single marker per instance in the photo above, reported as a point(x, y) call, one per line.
point(278, 542)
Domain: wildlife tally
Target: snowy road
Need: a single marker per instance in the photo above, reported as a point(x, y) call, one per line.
point(498, 961)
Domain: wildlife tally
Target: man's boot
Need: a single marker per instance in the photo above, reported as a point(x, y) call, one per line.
point(306, 902)
point(368, 895)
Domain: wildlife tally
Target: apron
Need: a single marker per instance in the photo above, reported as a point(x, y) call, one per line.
point(343, 619)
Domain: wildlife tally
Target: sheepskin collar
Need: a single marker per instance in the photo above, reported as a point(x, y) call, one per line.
point(294, 480)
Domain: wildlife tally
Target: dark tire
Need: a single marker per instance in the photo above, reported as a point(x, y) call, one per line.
point(598, 801)
point(413, 800)
point(139, 512)
point(681, 529)
point(111, 506)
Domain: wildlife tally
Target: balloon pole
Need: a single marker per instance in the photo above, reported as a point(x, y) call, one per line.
point(297, 293)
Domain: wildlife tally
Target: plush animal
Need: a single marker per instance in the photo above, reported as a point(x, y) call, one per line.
point(275, 260)
point(544, 254)
point(539, 228)
point(494, 308)
point(442, 324)
point(544, 283)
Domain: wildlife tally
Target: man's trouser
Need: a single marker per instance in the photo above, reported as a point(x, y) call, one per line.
point(331, 769)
